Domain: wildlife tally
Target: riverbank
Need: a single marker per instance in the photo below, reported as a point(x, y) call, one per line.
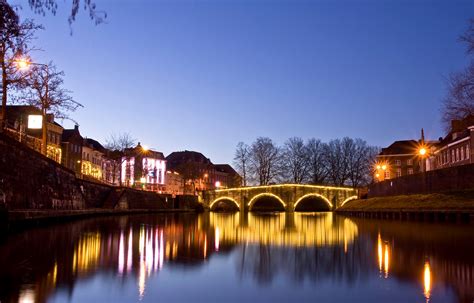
point(441, 206)
point(29, 218)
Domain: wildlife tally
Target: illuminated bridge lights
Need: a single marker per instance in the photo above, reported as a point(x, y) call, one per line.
point(287, 186)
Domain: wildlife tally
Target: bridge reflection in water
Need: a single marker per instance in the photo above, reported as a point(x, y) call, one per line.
point(284, 229)
point(39, 264)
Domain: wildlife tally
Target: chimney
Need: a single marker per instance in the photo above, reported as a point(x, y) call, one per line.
point(456, 125)
point(76, 127)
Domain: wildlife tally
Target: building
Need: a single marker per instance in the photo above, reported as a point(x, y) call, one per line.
point(198, 173)
point(25, 124)
point(93, 154)
point(174, 183)
point(143, 168)
point(456, 148)
point(71, 145)
point(401, 158)
point(196, 170)
point(227, 176)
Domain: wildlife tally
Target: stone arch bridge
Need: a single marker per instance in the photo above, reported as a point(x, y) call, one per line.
point(283, 197)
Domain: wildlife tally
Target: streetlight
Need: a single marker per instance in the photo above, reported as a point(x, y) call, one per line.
point(24, 63)
point(423, 152)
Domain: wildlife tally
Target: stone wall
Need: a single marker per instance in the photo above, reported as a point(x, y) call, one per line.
point(28, 180)
point(443, 180)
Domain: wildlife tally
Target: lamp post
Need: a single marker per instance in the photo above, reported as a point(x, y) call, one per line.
point(5, 82)
point(23, 64)
point(422, 152)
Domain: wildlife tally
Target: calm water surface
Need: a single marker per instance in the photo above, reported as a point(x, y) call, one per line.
point(239, 258)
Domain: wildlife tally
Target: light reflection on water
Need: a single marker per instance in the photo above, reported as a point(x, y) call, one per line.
point(339, 257)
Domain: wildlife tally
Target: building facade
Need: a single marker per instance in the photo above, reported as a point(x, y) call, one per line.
point(71, 145)
point(198, 173)
point(143, 168)
point(401, 158)
point(456, 148)
point(92, 163)
point(24, 123)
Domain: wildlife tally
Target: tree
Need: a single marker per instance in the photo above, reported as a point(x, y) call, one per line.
point(15, 38)
point(241, 160)
point(264, 159)
point(42, 6)
point(45, 91)
point(117, 145)
point(360, 162)
point(459, 101)
point(317, 166)
point(337, 156)
point(295, 160)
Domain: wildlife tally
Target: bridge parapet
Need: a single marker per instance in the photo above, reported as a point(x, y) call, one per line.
point(288, 195)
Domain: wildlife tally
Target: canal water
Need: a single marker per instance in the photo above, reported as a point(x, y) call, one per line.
point(212, 257)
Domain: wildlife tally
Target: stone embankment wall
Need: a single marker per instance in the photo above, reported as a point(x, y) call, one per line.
point(457, 178)
point(28, 180)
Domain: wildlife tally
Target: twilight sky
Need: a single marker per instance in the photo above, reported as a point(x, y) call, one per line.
point(204, 75)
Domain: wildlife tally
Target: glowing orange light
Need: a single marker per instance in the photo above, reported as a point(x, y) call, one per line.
point(380, 252)
point(427, 280)
point(22, 63)
point(422, 151)
point(384, 167)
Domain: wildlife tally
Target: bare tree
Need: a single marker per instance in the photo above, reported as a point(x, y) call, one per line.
point(15, 39)
point(264, 159)
point(459, 101)
point(295, 160)
point(117, 145)
point(362, 157)
point(241, 160)
point(45, 91)
point(317, 169)
point(337, 156)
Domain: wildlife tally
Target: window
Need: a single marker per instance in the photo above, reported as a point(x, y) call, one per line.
point(410, 171)
point(462, 153)
point(399, 172)
point(387, 174)
point(468, 153)
point(410, 162)
point(457, 154)
point(452, 156)
point(398, 162)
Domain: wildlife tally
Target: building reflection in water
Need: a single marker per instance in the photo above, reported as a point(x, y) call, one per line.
point(300, 246)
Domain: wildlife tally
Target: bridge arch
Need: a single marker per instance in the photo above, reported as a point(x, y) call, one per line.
point(257, 197)
point(224, 199)
point(314, 195)
point(349, 199)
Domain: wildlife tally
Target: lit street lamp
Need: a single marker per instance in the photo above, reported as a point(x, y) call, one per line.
point(423, 152)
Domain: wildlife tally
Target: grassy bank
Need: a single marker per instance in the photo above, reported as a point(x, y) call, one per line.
point(453, 201)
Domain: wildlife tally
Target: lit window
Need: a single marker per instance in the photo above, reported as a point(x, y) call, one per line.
point(462, 153)
point(387, 174)
point(410, 171)
point(398, 162)
point(410, 162)
point(468, 154)
point(399, 172)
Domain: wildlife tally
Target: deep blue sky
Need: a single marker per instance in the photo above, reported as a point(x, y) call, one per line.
point(204, 75)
